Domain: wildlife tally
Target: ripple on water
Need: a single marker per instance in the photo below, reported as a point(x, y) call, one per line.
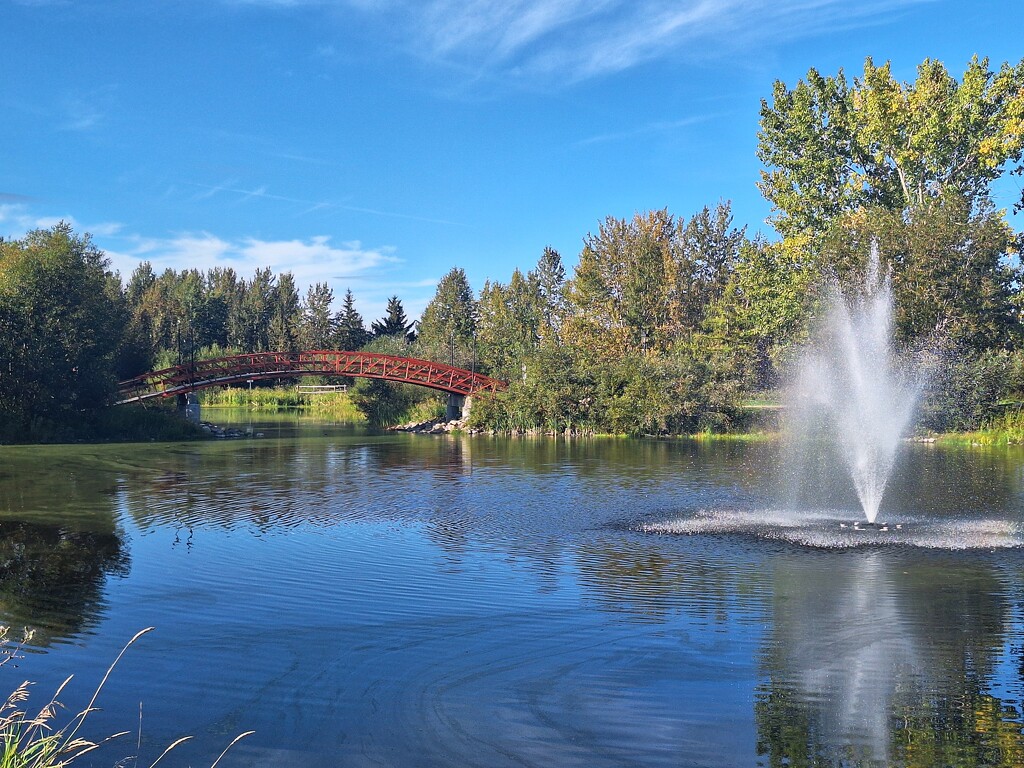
point(830, 529)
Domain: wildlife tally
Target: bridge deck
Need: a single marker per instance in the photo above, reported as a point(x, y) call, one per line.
point(256, 366)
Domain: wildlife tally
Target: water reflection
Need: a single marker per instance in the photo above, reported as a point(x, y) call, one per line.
point(881, 659)
point(59, 543)
point(372, 599)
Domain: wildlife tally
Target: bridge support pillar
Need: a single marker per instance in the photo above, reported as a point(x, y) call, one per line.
point(458, 407)
point(188, 406)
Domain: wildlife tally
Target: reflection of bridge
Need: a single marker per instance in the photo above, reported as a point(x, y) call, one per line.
point(237, 369)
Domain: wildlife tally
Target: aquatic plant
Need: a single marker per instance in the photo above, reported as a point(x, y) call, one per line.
point(45, 740)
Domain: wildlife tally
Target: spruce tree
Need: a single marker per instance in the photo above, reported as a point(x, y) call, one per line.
point(395, 323)
point(352, 334)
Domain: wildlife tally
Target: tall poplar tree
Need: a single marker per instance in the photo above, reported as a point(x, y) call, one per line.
point(448, 325)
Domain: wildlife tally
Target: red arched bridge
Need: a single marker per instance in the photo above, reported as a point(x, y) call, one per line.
point(221, 371)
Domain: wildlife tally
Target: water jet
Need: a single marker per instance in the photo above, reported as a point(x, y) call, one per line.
point(852, 391)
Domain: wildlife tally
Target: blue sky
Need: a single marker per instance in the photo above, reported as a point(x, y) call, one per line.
point(374, 144)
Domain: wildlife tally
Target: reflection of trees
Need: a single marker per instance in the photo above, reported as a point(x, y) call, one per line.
point(876, 660)
point(646, 579)
point(51, 577)
point(59, 538)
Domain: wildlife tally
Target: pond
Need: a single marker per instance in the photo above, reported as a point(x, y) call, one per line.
point(364, 599)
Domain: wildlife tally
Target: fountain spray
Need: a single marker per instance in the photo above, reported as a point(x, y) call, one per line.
point(850, 379)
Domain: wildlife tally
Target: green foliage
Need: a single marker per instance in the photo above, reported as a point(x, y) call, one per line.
point(336, 406)
point(386, 403)
point(832, 149)
point(763, 310)
point(394, 323)
point(966, 388)
point(561, 390)
point(283, 335)
point(644, 284)
point(550, 278)
point(510, 324)
point(448, 326)
point(61, 315)
point(950, 266)
point(350, 333)
point(317, 326)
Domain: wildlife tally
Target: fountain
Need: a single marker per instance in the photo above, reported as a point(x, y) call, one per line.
point(850, 403)
point(850, 389)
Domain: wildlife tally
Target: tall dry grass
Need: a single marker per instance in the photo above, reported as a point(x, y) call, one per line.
point(42, 738)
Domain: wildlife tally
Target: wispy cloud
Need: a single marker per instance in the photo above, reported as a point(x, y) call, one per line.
point(86, 111)
point(573, 40)
point(309, 205)
point(14, 197)
point(648, 129)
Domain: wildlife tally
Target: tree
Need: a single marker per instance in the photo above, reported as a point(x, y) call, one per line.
point(351, 333)
point(618, 299)
point(317, 329)
point(285, 317)
point(951, 269)
point(708, 250)
point(448, 325)
point(252, 320)
point(763, 310)
point(550, 277)
point(61, 314)
point(830, 148)
point(394, 323)
point(224, 298)
point(509, 324)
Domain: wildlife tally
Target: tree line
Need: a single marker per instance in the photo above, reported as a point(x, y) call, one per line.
point(667, 324)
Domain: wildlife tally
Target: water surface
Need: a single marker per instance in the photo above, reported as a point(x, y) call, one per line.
point(364, 599)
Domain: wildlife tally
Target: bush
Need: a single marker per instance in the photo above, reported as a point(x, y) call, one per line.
point(965, 389)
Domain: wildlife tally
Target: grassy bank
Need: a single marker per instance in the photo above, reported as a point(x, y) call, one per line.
point(1005, 429)
point(118, 424)
point(335, 406)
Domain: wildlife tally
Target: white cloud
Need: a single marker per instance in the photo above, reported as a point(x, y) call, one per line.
point(16, 219)
point(572, 40)
point(372, 272)
point(313, 260)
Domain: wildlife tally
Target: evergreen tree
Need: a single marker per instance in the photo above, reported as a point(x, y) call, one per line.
point(394, 323)
point(283, 331)
point(550, 277)
point(317, 330)
point(351, 333)
point(223, 299)
point(509, 326)
point(252, 320)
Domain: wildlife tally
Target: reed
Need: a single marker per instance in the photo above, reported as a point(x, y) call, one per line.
point(336, 406)
point(45, 739)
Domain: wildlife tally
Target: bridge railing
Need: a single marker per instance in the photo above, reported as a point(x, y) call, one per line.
point(221, 371)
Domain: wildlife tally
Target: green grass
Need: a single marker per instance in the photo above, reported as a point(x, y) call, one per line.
point(335, 406)
point(1005, 429)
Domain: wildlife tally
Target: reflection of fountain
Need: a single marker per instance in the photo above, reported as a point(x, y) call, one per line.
point(850, 390)
point(861, 668)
